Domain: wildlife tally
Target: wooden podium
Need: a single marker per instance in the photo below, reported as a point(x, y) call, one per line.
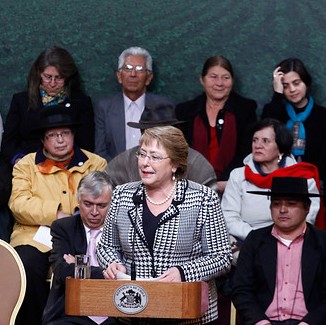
point(148, 299)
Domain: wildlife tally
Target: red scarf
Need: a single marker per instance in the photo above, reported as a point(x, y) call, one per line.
point(227, 146)
point(301, 169)
point(45, 167)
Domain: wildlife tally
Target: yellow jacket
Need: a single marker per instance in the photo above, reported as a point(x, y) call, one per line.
point(36, 197)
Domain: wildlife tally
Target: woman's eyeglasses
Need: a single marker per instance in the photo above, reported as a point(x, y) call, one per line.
point(48, 78)
point(153, 158)
point(55, 135)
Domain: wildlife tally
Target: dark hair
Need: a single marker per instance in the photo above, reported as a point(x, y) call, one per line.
point(283, 136)
point(296, 65)
point(62, 60)
point(220, 61)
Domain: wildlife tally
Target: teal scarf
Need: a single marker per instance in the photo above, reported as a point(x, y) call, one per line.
point(296, 120)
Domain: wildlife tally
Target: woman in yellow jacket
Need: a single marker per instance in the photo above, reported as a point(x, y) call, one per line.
point(44, 189)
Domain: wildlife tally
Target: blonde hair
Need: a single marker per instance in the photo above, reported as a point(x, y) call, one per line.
point(174, 143)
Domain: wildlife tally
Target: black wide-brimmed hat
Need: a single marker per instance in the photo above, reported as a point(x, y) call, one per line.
point(56, 116)
point(161, 115)
point(288, 187)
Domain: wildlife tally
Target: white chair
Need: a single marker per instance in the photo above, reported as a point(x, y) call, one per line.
point(12, 283)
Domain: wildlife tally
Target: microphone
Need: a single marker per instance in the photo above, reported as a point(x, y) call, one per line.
point(133, 271)
point(133, 264)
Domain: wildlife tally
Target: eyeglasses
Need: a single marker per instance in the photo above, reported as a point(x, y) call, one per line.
point(153, 158)
point(48, 78)
point(136, 68)
point(55, 135)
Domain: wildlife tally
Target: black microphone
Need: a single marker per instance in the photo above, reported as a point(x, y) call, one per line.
point(133, 264)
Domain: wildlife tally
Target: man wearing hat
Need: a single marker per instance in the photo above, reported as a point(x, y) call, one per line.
point(281, 270)
point(43, 190)
point(124, 167)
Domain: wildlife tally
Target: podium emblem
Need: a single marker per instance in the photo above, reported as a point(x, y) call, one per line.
point(130, 298)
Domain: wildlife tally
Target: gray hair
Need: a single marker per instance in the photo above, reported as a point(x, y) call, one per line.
point(93, 184)
point(135, 50)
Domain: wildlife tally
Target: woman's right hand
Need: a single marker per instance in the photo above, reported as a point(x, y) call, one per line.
point(111, 272)
point(277, 80)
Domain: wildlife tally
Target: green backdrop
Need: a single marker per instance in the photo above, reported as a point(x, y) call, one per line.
point(180, 35)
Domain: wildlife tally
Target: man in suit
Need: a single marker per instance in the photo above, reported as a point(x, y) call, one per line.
point(70, 237)
point(124, 167)
point(281, 270)
point(112, 134)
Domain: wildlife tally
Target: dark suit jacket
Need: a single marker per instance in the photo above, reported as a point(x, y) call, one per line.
point(110, 123)
point(68, 237)
point(245, 114)
point(255, 276)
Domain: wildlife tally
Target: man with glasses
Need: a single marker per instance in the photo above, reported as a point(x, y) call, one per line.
point(44, 189)
point(112, 134)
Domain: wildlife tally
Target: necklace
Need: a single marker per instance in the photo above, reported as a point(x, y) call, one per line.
point(162, 202)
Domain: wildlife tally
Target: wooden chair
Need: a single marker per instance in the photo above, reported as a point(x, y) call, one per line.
point(12, 283)
point(233, 317)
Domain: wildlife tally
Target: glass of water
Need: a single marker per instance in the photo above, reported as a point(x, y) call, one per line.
point(82, 267)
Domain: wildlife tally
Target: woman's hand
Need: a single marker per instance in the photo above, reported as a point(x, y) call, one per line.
point(277, 80)
point(111, 272)
point(170, 275)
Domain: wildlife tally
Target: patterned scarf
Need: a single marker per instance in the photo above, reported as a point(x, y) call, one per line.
point(49, 100)
point(46, 166)
point(295, 123)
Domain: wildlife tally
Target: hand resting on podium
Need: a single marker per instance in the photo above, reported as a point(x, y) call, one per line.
point(117, 271)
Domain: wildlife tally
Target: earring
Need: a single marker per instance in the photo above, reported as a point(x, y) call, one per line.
point(280, 156)
point(173, 176)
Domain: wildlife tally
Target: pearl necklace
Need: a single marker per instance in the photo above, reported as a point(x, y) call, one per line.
point(162, 202)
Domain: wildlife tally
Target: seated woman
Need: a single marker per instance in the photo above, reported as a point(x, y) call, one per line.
point(218, 119)
point(166, 226)
point(53, 79)
point(293, 104)
point(270, 157)
point(44, 189)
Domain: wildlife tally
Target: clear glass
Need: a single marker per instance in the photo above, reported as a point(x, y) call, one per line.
point(82, 267)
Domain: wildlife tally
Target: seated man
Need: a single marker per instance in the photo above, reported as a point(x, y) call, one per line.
point(281, 271)
point(124, 167)
point(70, 237)
point(44, 189)
point(135, 73)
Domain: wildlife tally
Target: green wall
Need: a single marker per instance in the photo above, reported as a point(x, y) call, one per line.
point(179, 34)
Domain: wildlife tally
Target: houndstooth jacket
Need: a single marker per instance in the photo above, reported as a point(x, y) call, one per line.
point(191, 235)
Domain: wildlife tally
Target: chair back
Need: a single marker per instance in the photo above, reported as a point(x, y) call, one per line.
point(12, 283)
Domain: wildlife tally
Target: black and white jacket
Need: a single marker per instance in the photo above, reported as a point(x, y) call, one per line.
point(191, 235)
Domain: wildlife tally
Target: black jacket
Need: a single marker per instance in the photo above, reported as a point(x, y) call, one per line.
point(245, 113)
point(68, 237)
point(255, 276)
point(18, 138)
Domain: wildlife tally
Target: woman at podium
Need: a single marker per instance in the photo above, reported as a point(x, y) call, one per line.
point(165, 226)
